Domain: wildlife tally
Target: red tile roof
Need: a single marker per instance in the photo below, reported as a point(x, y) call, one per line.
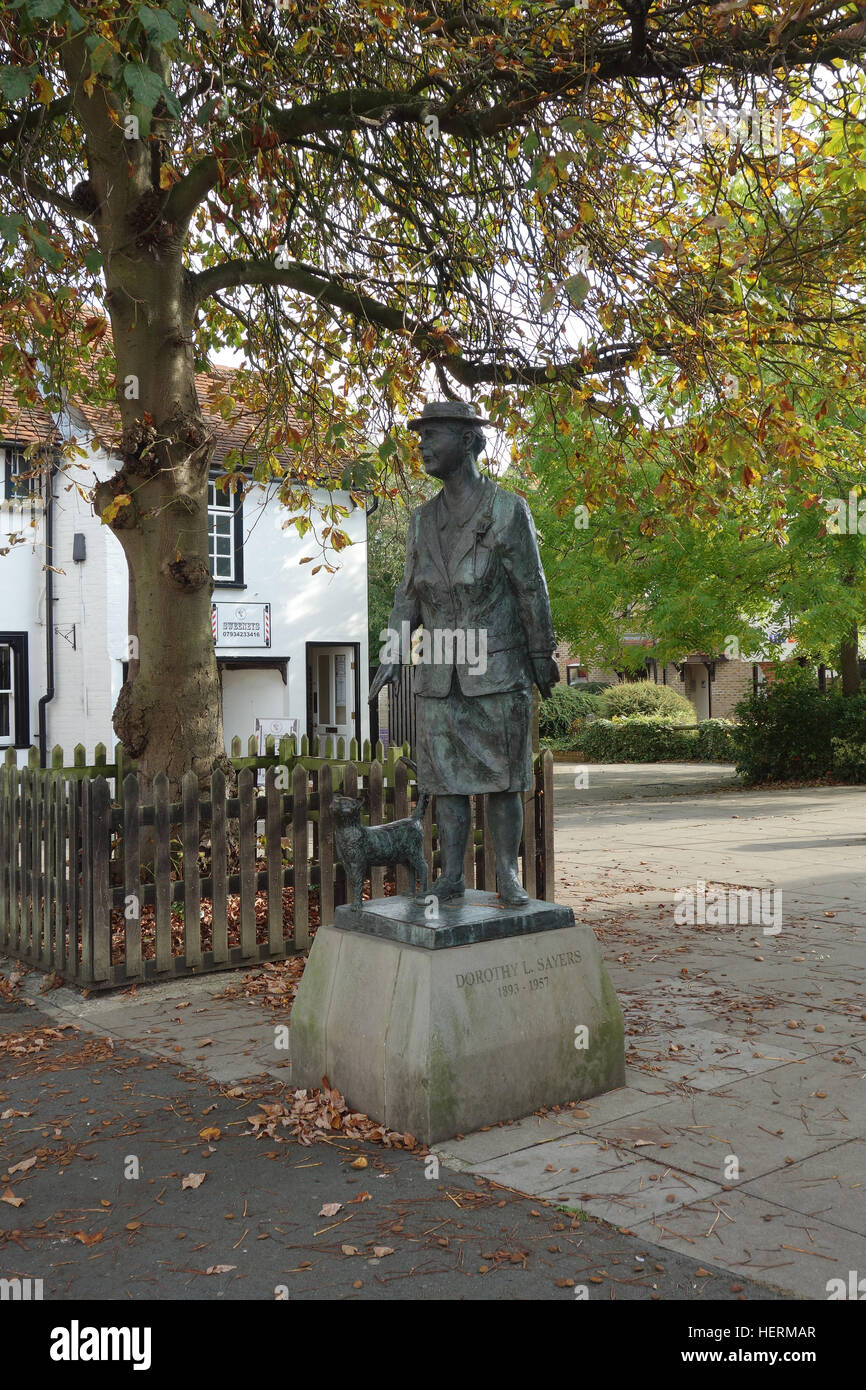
point(32, 423)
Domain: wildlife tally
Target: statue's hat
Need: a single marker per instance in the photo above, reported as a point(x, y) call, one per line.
point(448, 412)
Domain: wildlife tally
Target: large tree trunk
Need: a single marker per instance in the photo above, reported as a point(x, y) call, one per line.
point(168, 715)
point(849, 664)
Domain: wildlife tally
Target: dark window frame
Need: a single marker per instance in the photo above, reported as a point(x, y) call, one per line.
point(11, 479)
point(19, 643)
point(237, 582)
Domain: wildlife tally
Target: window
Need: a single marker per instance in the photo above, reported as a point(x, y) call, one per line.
point(14, 697)
point(576, 674)
point(16, 484)
point(225, 534)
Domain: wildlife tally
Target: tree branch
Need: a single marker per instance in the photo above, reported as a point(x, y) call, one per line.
point(35, 188)
point(428, 341)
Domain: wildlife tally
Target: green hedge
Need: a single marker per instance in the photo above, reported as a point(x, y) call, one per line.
point(649, 739)
point(645, 697)
point(790, 730)
point(566, 706)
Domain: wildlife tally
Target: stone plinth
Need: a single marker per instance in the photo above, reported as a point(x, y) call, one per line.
point(439, 1027)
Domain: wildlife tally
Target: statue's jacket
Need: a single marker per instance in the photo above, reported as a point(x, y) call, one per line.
point(478, 574)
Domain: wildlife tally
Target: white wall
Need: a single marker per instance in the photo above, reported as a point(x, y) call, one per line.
point(305, 607)
point(92, 596)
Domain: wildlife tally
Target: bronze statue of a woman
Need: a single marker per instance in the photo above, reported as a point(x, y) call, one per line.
point(473, 578)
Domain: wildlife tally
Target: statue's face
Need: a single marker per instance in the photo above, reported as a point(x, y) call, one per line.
point(443, 447)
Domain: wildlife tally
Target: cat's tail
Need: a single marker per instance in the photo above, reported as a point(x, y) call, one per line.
point(424, 798)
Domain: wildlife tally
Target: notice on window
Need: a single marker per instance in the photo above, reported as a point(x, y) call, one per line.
point(241, 624)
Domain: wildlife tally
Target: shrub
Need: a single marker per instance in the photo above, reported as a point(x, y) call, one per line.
point(715, 741)
point(789, 729)
point(640, 739)
point(557, 715)
point(645, 697)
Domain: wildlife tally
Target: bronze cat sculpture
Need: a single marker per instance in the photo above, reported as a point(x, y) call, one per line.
point(362, 847)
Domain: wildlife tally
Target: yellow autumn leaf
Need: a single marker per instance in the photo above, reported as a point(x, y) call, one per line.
point(167, 176)
point(43, 88)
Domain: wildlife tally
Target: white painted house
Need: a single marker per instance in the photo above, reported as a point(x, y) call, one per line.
point(290, 645)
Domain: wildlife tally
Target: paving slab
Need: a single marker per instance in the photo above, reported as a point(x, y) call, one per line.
point(629, 1194)
point(561, 1161)
point(703, 1133)
point(758, 1239)
point(822, 1186)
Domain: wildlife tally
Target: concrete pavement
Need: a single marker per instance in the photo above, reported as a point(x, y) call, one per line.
point(741, 1133)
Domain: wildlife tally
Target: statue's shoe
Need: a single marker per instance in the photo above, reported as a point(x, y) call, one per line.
point(511, 890)
point(447, 887)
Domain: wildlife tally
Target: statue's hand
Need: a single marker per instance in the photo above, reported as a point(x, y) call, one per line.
point(546, 674)
point(387, 674)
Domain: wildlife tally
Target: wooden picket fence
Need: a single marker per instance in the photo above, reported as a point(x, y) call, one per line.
point(108, 889)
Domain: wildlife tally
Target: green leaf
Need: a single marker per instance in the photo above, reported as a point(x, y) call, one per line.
point(48, 252)
point(101, 52)
point(144, 85)
point(157, 24)
point(387, 448)
point(203, 21)
point(577, 288)
point(93, 261)
point(43, 9)
point(530, 143)
point(10, 227)
point(15, 82)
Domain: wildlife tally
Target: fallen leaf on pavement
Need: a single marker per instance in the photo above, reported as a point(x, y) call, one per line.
point(9, 1196)
point(193, 1180)
point(380, 1251)
point(219, 1269)
point(331, 1208)
point(22, 1166)
point(89, 1240)
point(210, 1133)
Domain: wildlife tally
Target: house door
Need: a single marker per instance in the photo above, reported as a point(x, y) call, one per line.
point(331, 691)
point(698, 689)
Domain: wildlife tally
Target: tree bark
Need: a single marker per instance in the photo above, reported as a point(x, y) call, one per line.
point(849, 664)
point(169, 712)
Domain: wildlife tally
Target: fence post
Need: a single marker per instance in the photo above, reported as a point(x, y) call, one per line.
point(530, 866)
point(300, 870)
point(162, 871)
point(218, 866)
point(469, 854)
point(377, 875)
point(274, 841)
point(73, 789)
point(326, 845)
point(49, 882)
point(86, 882)
point(401, 810)
point(101, 888)
point(131, 875)
point(191, 876)
point(549, 882)
point(60, 861)
point(247, 854)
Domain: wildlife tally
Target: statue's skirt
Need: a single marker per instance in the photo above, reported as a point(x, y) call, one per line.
point(469, 745)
